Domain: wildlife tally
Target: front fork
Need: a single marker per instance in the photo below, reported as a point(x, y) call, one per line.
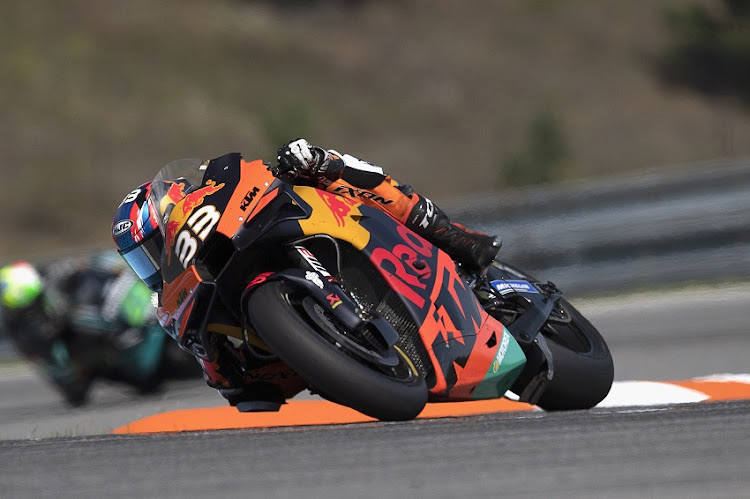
point(318, 283)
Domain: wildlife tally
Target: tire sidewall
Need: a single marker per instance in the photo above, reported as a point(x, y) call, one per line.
point(326, 368)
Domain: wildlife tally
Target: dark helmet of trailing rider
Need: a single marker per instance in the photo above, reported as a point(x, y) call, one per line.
point(139, 240)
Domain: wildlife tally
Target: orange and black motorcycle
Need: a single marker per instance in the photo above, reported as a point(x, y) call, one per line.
point(366, 312)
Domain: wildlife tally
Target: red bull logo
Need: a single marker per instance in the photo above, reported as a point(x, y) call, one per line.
point(195, 198)
point(176, 191)
point(339, 206)
point(186, 203)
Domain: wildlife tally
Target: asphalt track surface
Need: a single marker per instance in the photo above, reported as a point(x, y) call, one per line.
point(686, 450)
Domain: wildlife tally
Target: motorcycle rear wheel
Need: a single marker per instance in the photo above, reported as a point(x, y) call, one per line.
point(583, 366)
point(282, 317)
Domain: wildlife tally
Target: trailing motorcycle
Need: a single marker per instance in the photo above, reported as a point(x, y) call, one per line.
point(368, 313)
point(141, 359)
point(123, 344)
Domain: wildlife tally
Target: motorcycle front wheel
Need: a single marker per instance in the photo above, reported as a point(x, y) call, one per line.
point(341, 365)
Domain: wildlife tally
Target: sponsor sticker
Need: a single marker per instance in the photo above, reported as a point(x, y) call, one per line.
point(501, 352)
point(314, 278)
point(122, 227)
point(505, 287)
point(333, 300)
point(312, 261)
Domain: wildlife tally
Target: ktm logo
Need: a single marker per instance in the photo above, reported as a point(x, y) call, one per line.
point(249, 198)
point(353, 193)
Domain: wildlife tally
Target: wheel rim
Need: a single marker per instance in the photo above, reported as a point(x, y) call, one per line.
point(390, 362)
point(560, 326)
point(561, 329)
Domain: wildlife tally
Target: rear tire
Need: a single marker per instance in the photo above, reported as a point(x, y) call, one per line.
point(583, 366)
point(296, 336)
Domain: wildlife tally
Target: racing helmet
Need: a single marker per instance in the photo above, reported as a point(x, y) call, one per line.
point(138, 237)
point(20, 285)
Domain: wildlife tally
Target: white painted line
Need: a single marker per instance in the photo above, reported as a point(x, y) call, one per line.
point(640, 393)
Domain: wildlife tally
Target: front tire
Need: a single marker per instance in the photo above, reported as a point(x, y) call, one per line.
point(281, 315)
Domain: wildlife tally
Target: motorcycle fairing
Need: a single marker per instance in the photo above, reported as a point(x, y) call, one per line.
point(182, 298)
point(202, 216)
point(510, 361)
point(230, 191)
point(460, 337)
point(334, 215)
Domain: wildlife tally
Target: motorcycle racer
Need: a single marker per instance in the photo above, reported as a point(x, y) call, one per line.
point(140, 242)
point(61, 314)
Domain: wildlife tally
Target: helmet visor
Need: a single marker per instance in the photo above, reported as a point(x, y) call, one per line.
point(144, 259)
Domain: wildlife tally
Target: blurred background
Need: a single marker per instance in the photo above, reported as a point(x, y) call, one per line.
point(579, 130)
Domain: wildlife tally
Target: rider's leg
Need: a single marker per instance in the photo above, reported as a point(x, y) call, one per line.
point(473, 250)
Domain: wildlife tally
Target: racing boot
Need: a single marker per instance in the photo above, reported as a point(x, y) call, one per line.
point(247, 390)
point(246, 397)
point(225, 373)
point(255, 397)
point(475, 251)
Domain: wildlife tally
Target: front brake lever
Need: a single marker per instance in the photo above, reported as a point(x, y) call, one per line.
point(279, 171)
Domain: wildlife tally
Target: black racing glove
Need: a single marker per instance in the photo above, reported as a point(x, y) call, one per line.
point(299, 159)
